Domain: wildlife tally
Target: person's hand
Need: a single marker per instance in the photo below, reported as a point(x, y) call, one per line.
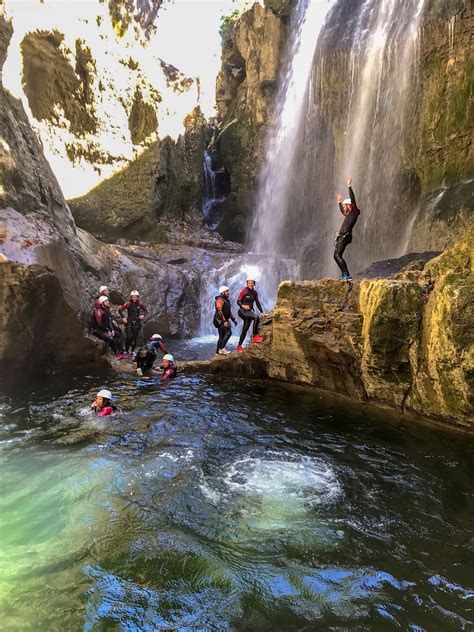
point(112, 333)
point(349, 181)
point(94, 404)
point(226, 325)
point(141, 317)
point(246, 307)
point(124, 321)
point(338, 198)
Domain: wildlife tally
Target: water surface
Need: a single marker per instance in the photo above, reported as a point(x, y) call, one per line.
point(217, 504)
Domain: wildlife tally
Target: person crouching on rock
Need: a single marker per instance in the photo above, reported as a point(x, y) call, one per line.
point(103, 327)
point(246, 299)
point(222, 317)
point(147, 355)
point(135, 313)
point(351, 212)
point(169, 368)
point(102, 405)
point(104, 291)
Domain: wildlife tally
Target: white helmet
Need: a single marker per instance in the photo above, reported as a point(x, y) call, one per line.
point(102, 299)
point(223, 288)
point(105, 393)
point(156, 337)
point(169, 357)
point(347, 201)
point(103, 288)
point(134, 293)
point(249, 279)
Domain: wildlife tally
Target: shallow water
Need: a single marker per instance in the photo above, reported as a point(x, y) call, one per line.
point(217, 504)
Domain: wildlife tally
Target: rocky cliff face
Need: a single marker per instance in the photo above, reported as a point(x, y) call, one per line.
point(50, 269)
point(405, 341)
point(159, 190)
point(246, 86)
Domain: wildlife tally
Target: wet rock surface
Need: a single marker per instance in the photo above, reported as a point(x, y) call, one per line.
point(405, 341)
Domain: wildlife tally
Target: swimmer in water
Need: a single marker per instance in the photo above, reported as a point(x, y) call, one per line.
point(102, 405)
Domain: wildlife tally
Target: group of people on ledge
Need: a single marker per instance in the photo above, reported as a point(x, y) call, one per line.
point(131, 314)
point(247, 298)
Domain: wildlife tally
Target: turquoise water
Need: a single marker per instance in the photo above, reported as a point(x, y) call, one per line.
point(212, 504)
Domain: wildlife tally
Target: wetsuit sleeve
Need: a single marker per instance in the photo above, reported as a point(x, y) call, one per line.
point(98, 317)
point(353, 200)
point(257, 302)
point(123, 308)
point(340, 208)
point(219, 306)
point(143, 309)
point(240, 297)
point(163, 347)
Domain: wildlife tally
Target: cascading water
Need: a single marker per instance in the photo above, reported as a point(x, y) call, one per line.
point(276, 178)
point(233, 273)
point(215, 191)
point(385, 52)
point(327, 131)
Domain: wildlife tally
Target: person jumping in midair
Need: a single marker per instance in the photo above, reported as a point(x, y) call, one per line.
point(351, 212)
point(247, 297)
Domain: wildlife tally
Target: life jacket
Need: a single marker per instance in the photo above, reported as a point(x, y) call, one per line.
point(226, 311)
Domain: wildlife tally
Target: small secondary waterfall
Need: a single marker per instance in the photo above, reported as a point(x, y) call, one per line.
point(345, 108)
point(216, 190)
point(276, 177)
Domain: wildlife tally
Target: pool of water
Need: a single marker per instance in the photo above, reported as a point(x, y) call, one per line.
point(218, 504)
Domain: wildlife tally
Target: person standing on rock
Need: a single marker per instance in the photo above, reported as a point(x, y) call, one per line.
point(135, 313)
point(104, 291)
point(103, 327)
point(351, 212)
point(222, 317)
point(246, 299)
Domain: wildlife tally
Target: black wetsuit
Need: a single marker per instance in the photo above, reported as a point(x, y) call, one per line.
point(344, 236)
point(222, 316)
point(248, 297)
point(146, 357)
point(134, 310)
point(103, 327)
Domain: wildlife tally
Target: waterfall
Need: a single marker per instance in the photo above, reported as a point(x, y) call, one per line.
point(216, 190)
point(345, 107)
point(276, 177)
point(382, 103)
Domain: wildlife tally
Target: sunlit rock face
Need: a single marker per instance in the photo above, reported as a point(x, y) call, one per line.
point(245, 94)
point(158, 191)
point(92, 85)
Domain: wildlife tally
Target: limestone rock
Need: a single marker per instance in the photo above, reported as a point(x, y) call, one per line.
point(245, 95)
point(161, 188)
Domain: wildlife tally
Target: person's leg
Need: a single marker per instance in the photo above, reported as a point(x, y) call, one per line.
point(245, 328)
point(256, 321)
point(227, 335)
point(339, 247)
point(221, 333)
point(136, 330)
point(119, 338)
point(110, 340)
point(128, 336)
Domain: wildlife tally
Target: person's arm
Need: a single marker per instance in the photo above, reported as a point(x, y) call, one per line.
point(219, 306)
point(338, 200)
point(143, 309)
point(98, 318)
point(122, 309)
point(257, 302)
point(351, 194)
point(105, 411)
point(163, 347)
point(241, 296)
